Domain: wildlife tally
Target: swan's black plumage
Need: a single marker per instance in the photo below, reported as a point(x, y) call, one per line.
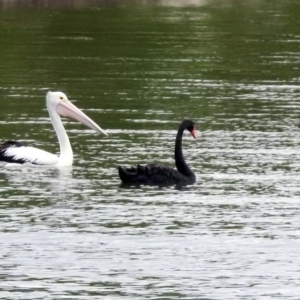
point(154, 174)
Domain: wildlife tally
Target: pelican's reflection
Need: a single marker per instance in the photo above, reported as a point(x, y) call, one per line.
point(39, 178)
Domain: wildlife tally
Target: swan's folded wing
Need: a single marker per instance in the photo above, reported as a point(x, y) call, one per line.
point(162, 174)
point(150, 174)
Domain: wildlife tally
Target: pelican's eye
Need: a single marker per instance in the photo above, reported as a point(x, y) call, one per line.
point(61, 98)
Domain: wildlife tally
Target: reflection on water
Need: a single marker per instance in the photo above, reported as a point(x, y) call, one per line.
point(138, 69)
point(6, 4)
point(22, 173)
point(31, 182)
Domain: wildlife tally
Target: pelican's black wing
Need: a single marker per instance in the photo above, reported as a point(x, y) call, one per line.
point(5, 156)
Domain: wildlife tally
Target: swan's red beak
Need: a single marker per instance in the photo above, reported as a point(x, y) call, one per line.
point(193, 133)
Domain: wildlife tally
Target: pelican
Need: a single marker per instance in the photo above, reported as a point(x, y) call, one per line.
point(57, 105)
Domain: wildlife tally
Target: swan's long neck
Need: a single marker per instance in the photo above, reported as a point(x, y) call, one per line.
point(66, 152)
point(181, 165)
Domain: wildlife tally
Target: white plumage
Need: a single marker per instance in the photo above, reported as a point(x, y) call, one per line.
point(31, 155)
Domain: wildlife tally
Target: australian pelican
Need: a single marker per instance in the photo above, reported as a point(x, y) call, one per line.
point(57, 105)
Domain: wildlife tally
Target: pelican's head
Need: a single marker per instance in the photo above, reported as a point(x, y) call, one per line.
point(59, 102)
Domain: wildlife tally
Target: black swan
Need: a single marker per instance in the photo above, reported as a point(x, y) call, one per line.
point(153, 174)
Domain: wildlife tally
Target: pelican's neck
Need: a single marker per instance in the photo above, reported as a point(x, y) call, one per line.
point(66, 153)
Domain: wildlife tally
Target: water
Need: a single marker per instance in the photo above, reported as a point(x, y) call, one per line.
point(137, 69)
